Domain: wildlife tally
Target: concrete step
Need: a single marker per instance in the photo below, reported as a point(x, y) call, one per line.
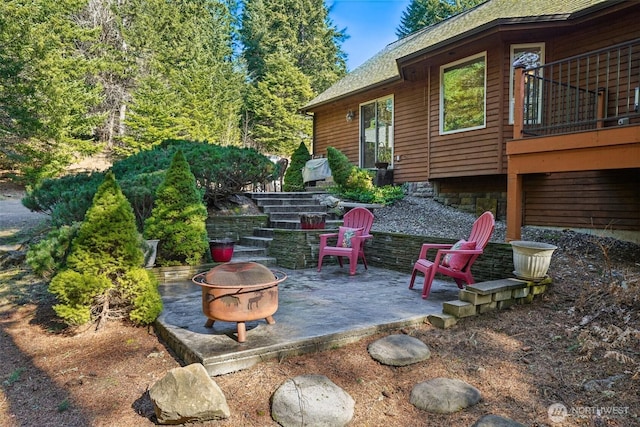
point(283, 216)
point(286, 202)
point(294, 208)
point(257, 241)
point(291, 224)
point(249, 251)
point(282, 195)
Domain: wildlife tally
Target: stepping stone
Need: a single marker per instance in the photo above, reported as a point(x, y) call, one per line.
point(496, 421)
point(188, 394)
point(311, 400)
point(444, 395)
point(399, 350)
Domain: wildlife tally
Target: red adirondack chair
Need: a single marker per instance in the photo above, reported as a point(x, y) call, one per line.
point(350, 239)
point(455, 260)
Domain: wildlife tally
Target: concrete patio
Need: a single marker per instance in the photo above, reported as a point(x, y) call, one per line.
point(317, 311)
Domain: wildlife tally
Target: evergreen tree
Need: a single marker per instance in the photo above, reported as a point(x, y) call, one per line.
point(178, 218)
point(423, 13)
point(275, 101)
point(104, 277)
point(293, 176)
point(47, 95)
point(301, 28)
point(286, 43)
point(187, 86)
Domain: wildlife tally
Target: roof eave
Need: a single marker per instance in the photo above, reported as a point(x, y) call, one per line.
point(311, 107)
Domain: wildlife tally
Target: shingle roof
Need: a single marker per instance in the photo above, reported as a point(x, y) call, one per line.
point(382, 67)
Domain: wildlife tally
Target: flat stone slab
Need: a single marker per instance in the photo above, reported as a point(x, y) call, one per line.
point(399, 350)
point(316, 312)
point(444, 395)
point(493, 286)
point(311, 400)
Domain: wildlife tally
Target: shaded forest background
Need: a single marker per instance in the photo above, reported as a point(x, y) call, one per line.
point(80, 77)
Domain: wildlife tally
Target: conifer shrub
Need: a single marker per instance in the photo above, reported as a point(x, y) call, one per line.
point(293, 176)
point(178, 218)
point(103, 277)
point(49, 255)
point(220, 172)
point(341, 167)
point(65, 199)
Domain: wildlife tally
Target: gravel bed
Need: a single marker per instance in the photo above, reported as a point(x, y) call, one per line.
point(425, 216)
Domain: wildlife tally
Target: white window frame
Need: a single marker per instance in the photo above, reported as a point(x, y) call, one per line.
point(539, 46)
point(443, 69)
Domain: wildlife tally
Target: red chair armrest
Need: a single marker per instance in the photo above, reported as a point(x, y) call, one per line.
point(426, 246)
point(324, 237)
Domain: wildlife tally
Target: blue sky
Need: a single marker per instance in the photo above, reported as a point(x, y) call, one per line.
point(371, 25)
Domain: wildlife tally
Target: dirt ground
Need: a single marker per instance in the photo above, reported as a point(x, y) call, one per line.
point(523, 359)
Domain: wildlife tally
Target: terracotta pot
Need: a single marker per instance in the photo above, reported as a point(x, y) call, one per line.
point(531, 260)
point(221, 249)
point(239, 292)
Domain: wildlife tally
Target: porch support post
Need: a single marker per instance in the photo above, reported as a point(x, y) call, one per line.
point(514, 205)
point(518, 105)
point(600, 112)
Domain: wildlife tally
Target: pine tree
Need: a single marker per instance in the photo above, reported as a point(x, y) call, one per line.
point(423, 13)
point(293, 176)
point(178, 218)
point(47, 95)
point(275, 101)
point(187, 84)
point(286, 43)
point(104, 277)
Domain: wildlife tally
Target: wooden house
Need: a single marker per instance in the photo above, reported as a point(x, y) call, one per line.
point(527, 108)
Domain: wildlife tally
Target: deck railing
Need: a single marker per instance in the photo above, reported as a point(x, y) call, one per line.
point(583, 92)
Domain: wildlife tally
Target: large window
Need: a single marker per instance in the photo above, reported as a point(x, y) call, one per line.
point(376, 132)
point(463, 94)
point(517, 51)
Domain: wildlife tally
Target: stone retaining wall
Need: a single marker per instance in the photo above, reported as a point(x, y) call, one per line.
point(298, 249)
point(235, 226)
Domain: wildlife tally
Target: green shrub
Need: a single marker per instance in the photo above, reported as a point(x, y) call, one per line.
point(65, 199)
point(293, 176)
point(50, 254)
point(359, 180)
point(385, 195)
point(107, 249)
point(341, 167)
point(219, 172)
point(178, 218)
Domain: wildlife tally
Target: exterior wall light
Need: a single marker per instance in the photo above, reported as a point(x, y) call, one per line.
point(350, 115)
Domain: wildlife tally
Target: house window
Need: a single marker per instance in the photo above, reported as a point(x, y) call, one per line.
point(376, 132)
point(463, 94)
point(517, 51)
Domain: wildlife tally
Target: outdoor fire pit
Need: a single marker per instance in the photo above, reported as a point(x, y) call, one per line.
point(239, 292)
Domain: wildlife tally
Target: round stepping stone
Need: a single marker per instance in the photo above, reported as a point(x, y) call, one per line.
point(496, 421)
point(311, 400)
point(399, 350)
point(444, 395)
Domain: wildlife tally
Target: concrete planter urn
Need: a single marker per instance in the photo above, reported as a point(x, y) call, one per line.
point(531, 260)
point(152, 252)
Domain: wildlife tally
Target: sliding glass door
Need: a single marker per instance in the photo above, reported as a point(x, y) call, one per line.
point(376, 132)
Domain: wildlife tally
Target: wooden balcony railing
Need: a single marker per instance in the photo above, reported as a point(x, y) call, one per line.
point(583, 92)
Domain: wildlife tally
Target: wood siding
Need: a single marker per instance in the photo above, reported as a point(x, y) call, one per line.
point(460, 162)
point(587, 199)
